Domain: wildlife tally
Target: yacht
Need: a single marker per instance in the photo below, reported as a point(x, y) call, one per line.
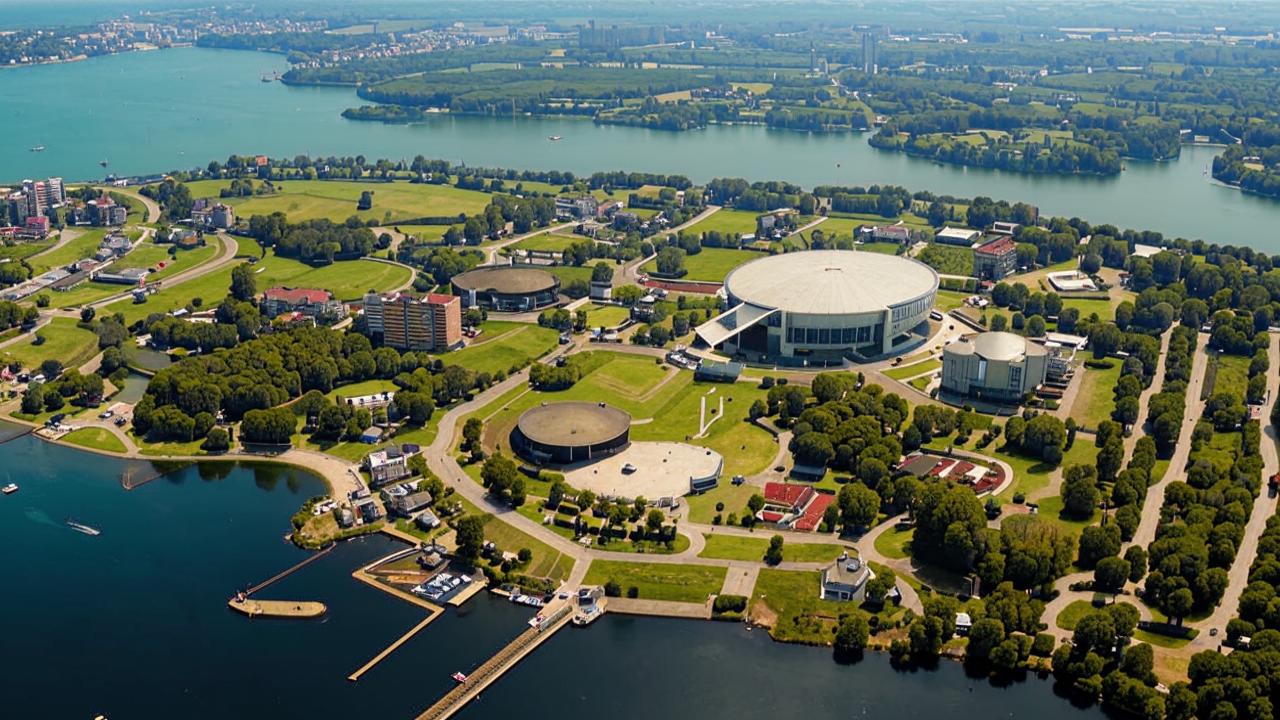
point(555, 138)
point(9, 489)
point(38, 148)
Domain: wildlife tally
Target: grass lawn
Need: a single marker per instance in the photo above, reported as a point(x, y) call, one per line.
point(1232, 375)
point(547, 562)
point(368, 387)
point(738, 547)
point(606, 315)
point(148, 255)
point(348, 280)
point(947, 260)
point(641, 387)
point(505, 345)
point(95, 438)
point(64, 340)
point(1096, 398)
point(792, 597)
point(679, 583)
point(21, 249)
point(894, 543)
point(554, 242)
point(569, 273)
point(948, 300)
point(732, 222)
point(537, 512)
point(79, 248)
point(712, 264)
point(702, 508)
point(902, 372)
point(1104, 309)
point(336, 200)
point(158, 449)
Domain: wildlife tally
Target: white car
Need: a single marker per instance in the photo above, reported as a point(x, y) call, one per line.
point(628, 469)
point(106, 414)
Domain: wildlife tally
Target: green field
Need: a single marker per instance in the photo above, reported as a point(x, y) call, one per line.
point(147, 255)
point(947, 260)
point(801, 615)
point(738, 547)
point(1096, 397)
point(547, 562)
point(645, 389)
point(679, 583)
point(731, 222)
point(894, 543)
point(1232, 375)
point(505, 345)
point(95, 438)
point(79, 248)
point(902, 372)
point(712, 264)
point(552, 242)
point(336, 200)
point(606, 315)
point(22, 249)
point(348, 280)
point(64, 341)
point(1073, 613)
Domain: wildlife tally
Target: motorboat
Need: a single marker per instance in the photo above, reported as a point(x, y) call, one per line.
point(555, 138)
point(459, 677)
point(9, 489)
point(38, 148)
point(82, 528)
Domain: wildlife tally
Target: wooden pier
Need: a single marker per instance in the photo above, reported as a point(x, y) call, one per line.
point(394, 646)
point(286, 573)
point(555, 616)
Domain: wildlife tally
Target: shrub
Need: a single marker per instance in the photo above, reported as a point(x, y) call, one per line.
point(633, 592)
point(730, 603)
point(1043, 645)
point(612, 588)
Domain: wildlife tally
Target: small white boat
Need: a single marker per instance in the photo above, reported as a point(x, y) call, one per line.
point(38, 148)
point(82, 528)
point(9, 489)
point(555, 138)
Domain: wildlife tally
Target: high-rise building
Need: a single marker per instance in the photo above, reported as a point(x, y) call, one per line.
point(870, 52)
point(432, 323)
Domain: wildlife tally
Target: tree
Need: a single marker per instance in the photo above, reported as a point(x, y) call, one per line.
point(244, 285)
point(653, 521)
point(984, 636)
point(217, 440)
point(1136, 556)
point(852, 635)
point(470, 538)
point(1178, 604)
point(670, 261)
point(755, 503)
point(1110, 574)
point(499, 475)
point(1080, 491)
point(472, 429)
point(366, 200)
point(859, 505)
point(773, 555)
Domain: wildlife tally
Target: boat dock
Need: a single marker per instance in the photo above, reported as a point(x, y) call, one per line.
point(554, 617)
point(286, 573)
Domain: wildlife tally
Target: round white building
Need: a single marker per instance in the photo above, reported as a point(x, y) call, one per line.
point(824, 305)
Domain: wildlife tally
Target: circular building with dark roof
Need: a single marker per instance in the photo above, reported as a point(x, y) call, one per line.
point(823, 305)
point(507, 288)
point(564, 433)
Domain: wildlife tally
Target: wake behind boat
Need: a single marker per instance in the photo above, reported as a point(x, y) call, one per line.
point(82, 528)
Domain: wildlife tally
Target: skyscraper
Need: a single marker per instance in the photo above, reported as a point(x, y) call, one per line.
point(870, 52)
point(432, 323)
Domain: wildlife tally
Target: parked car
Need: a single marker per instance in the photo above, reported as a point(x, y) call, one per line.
point(106, 414)
point(628, 469)
point(738, 479)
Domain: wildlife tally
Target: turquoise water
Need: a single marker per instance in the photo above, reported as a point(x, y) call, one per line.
point(156, 111)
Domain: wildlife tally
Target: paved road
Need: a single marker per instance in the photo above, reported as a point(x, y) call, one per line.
point(1263, 508)
point(1150, 519)
point(226, 257)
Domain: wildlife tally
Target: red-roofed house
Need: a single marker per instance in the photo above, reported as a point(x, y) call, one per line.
point(996, 259)
point(796, 507)
point(36, 226)
point(312, 303)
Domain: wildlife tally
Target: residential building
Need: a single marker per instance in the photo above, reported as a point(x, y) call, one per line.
point(430, 323)
point(407, 505)
point(996, 259)
point(104, 211)
point(113, 246)
point(900, 234)
point(957, 236)
point(36, 227)
point(387, 465)
point(846, 579)
point(1002, 227)
point(601, 290)
point(127, 276)
point(312, 303)
point(585, 206)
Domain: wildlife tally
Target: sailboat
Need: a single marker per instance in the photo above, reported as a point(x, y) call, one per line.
point(103, 162)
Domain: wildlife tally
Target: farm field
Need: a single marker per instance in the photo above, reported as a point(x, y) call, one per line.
point(336, 200)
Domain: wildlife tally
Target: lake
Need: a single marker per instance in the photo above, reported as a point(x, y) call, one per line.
point(133, 624)
point(149, 112)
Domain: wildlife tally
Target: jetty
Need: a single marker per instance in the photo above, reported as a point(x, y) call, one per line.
point(552, 618)
point(278, 608)
point(289, 571)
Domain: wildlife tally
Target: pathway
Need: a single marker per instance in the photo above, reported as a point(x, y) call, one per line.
point(1150, 518)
